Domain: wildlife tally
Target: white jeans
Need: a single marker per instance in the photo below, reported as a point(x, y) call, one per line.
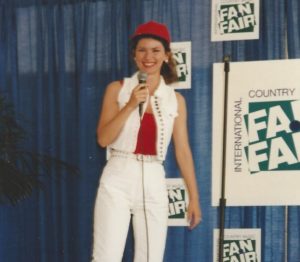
point(119, 196)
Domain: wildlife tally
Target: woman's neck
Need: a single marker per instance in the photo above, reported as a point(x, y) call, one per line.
point(153, 83)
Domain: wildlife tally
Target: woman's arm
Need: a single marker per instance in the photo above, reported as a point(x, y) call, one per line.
point(185, 162)
point(112, 119)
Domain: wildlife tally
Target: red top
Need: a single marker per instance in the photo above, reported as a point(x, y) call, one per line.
point(146, 142)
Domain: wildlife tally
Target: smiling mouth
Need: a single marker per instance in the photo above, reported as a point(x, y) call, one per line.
point(148, 64)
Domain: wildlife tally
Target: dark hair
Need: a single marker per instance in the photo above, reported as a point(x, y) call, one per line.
point(168, 69)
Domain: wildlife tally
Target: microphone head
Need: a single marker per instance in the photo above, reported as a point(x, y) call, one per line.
point(142, 77)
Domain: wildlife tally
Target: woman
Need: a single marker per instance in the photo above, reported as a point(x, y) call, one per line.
point(133, 180)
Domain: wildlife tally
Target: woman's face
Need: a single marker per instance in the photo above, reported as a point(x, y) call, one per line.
point(149, 55)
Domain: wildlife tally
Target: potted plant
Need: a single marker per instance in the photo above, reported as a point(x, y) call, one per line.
point(20, 169)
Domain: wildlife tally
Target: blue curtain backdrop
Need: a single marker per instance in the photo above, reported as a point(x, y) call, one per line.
point(56, 57)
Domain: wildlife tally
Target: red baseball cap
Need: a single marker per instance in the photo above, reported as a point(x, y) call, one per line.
point(153, 28)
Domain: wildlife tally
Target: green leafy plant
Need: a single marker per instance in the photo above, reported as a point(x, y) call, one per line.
point(21, 170)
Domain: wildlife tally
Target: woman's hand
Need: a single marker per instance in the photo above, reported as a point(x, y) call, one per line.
point(139, 95)
point(194, 214)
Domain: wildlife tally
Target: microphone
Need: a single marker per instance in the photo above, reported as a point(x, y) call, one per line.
point(142, 77)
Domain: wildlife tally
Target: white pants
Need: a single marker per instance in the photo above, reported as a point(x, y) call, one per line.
point(119, 196)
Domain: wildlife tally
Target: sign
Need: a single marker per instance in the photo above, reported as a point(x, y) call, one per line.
point(239, 245)
point(235, 20)
point(182, 56)
point(178, 201)
point(263, 133)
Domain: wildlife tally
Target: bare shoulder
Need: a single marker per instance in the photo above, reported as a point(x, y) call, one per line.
point(112, 91)
point(180, 99)
point(114, 87)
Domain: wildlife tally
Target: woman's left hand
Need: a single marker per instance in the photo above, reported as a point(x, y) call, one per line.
point(194, 214)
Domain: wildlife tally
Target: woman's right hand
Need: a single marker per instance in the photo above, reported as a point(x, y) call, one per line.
point(139, 95)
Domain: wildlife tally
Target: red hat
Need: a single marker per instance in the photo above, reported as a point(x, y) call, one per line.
point(153, 28)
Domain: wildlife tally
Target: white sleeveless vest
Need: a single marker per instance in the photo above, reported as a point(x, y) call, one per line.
point(164, 107)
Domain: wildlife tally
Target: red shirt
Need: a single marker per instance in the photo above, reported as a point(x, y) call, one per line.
point(146, 142)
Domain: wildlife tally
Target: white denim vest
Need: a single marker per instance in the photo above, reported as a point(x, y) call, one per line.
point(164, 107)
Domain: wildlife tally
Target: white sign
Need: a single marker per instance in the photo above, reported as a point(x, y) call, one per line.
point(263, 133)
point(178, 202)
point(239, 245)
point(182, 56)
point(234, 20)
